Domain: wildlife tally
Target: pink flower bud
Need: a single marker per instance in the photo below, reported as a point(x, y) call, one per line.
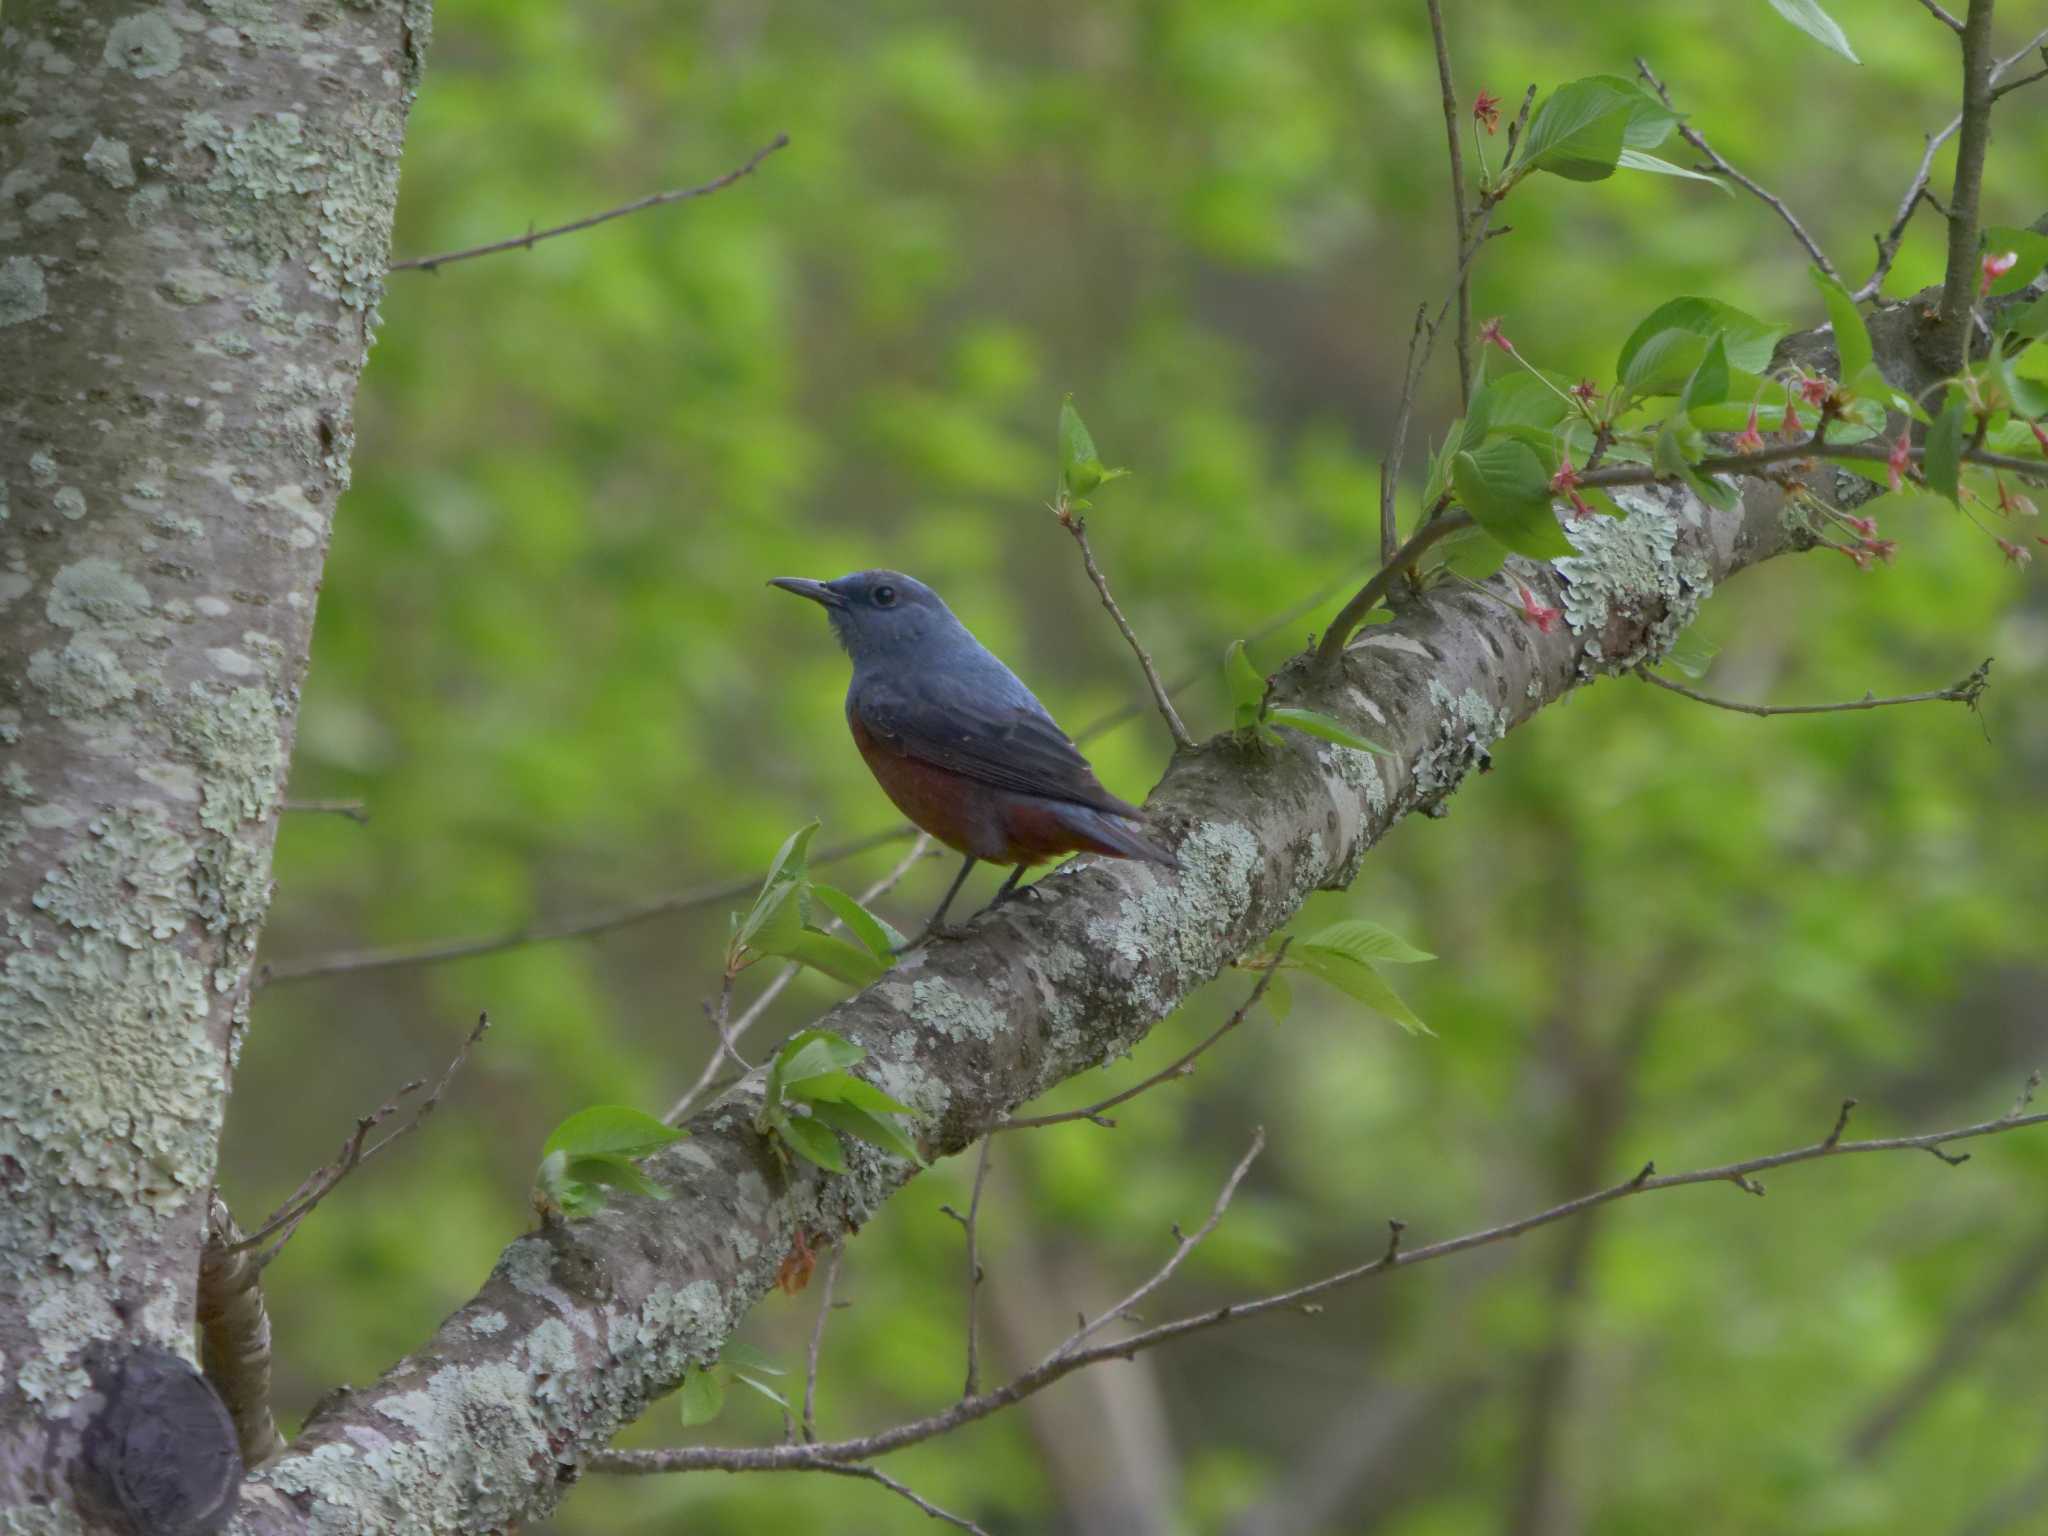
point(1486, 109)
point(1996, 265)
point(1492, 332)
point(1542, 615)
point(1899, 458)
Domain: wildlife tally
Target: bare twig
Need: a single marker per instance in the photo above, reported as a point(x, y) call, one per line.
point(602, 921)
point(1808, 448)
point(680, 1110)
point(818, 1343)
point(1962, 274)
point(1698, 141)
point(970, 1223)
point(1390, 466)
point(354, 810)
point(1942, 15)
point(357, 1150)
point(1185, 1244)
point(1458, 219)
point(531, 238)
point(234, 1335)
point(1916, 190)
point(2013, 85)
point(1966, 692)
point(1368, 596)
point(1065, 1363)
point(1077, 525)
point(1181, 1066)
point(872, 1475)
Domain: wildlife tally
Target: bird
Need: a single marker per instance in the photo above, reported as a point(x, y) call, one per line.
point(957, 741)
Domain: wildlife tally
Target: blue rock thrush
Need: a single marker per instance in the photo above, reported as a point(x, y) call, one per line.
point(961, 746)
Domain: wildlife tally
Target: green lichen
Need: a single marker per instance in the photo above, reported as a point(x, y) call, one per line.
point(1467, 727)
point(143, 44)
point(1630, 587)
point(234, 737)
point(80, 680)
point(22, 294)
point(53, 206)
point(131, 882)
point(96, 593)
point(941, 1006)
point(109, 160)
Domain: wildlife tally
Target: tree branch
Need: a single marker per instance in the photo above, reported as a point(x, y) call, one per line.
point(1065, 1362)
point(1942, 15)
point(1699, 142)
point(1077, 525)
point(1180, 1066)
point(1966, 692)
point(531, 238)
point(234, 1334)
point(1458, 221)
point(354, 810)
point(1368, 596)
point(810, 1413)
point(1962, 273)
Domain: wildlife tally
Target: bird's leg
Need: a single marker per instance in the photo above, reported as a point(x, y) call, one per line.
point(1009, 886)
point(935, 927)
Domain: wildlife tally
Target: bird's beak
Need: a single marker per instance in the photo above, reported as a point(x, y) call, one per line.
point(803, 586)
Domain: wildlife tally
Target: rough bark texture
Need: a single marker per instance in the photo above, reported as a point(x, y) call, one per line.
point(581, 1326)
point(195, 213)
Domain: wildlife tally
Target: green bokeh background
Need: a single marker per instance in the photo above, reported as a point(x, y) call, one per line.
point(546, 660)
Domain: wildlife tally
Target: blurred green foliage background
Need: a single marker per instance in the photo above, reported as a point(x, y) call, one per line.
point(547, 661)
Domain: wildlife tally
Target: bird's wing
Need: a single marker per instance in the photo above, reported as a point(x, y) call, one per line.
point(997, 735)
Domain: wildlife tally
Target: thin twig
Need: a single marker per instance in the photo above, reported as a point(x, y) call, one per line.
point(355, 1151)
point(1390, 466)
point(1698, 141)
point(1185, 1244)
point(1962, 273)
point(1458, 223)
point(355, 810)
point(915, 1431)
point(602, 921)
point(1942, 15)
point(969, 1221)
point(1077, 525)
point(531, 238)
point(1180, 1066)
point(1368, 596)
point(1916, 190)
point(1807, 448)
point(1965, 692)
point(2013, 85)
point(680, 1110)
point(872, 1475)
point(818, 1344)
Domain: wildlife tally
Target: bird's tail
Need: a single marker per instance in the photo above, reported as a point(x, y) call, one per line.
point(1120, 836)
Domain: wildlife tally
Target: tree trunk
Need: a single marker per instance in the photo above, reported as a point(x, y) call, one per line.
point(195, 215)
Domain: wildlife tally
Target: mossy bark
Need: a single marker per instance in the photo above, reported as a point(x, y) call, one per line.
point(195, 213)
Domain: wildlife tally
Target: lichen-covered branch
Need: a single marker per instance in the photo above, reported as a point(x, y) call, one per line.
point(186, 300)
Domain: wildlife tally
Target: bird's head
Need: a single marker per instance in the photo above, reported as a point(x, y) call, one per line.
point(875, 613)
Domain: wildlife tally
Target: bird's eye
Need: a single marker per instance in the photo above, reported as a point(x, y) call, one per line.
point(885, 597)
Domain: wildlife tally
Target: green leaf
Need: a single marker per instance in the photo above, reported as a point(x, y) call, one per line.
point(1503, 486)
point(744, 1357)
point(1081, 467)
point(813, 1053)
point(1852, 337)
point(1662, 364)
point(1636, 160)
point(1247, 688)
point(881, 939)
point(1581, 128)
point(603, 1168)
point(1362, 982)
point(1278, 997)
point(764, 1389)
point(845, 1088)
point(1690, 654)
point(1365, 942)
point(871, 1128)
point(778, 910)
point(1817, 24)
point(1942, 462)
point(702, 1398)
point(1749, 340)
point(1473, 553)
point(609, 1130)
point(812, 1140)
point(1309, 723)
point(2029, 247)
point(2031, 321)
point(1709, 382)
point(1519, 399)
point(832, 955)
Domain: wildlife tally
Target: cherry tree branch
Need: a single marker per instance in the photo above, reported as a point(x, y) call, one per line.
point(1961, 275)
point(1432, 532)
point(1698, 141)
point(810, 1411)
point(1068, 1359)
point(531, 238)
point(1966, 692)
point(1458, 220)
point(1942, 15)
